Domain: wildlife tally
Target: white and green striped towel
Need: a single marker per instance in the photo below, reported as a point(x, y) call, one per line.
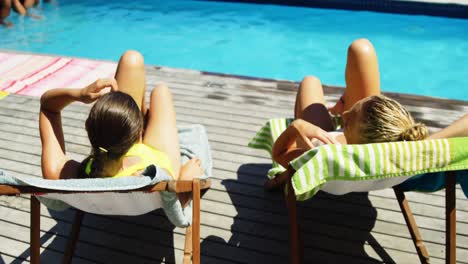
point(339, 169)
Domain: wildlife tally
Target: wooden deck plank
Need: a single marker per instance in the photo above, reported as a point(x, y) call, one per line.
point(12, 250)
point(142, 245)
point(450, 116)
point(321, 240)
point(352, 230)
point(96, 236)
point(240, 222)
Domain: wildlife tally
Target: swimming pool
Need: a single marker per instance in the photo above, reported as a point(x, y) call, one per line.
point(417, 54)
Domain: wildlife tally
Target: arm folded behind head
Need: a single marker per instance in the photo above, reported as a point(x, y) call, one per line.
point(458, 128)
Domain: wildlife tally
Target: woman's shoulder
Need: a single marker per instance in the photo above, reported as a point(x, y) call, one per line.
point(70, 169)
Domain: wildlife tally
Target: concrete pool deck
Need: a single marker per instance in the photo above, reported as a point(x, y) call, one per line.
point(240, 222)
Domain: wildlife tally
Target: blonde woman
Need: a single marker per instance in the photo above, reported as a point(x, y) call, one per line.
point(367, 116)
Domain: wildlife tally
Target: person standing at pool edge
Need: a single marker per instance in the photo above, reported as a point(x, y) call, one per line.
point(18, 6)
point(21, 6)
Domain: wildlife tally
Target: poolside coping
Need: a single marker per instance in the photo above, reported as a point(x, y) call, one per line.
point(449, 8)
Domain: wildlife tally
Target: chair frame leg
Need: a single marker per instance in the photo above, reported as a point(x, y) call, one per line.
point(196, 222)
point(35, 236)
point(412, 226)
point(188, 246)
point(294, 239)
point(450, 218)
point(73, 237)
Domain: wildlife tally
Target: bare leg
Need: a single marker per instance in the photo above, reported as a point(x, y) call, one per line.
point(310, 104)
point(28, 3)
point(18, 7)
point(5, 7)
point(161, 131)
point(130, 77)
point(362, 72)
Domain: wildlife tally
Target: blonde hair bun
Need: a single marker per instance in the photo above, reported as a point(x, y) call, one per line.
point(385, 120)
point(416, 132)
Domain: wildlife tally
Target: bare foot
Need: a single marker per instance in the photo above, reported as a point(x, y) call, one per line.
point(38, 17)
point(6, 23)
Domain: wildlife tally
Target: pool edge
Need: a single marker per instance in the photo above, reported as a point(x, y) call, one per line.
point(409, 7)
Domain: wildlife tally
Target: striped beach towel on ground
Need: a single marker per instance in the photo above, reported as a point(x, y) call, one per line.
point(33, 75)
point(339, 169)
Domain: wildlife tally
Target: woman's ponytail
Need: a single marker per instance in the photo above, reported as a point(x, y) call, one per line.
point(415, 132)
point(114, 124)
point(386, 120)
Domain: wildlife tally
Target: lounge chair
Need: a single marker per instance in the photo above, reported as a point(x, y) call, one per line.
point(340, 169)
point(136, 196)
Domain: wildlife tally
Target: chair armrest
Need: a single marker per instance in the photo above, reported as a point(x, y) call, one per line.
point(187, 186)
point(171, 186)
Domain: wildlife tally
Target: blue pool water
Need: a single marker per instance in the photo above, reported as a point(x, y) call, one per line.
point(417, 54)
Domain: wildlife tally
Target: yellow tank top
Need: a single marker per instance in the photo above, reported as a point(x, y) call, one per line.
point(147, 155)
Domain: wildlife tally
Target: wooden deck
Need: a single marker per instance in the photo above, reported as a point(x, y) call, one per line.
point(240, 222)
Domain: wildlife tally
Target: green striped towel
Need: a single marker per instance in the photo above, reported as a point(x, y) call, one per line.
point(339, 169)
point(266, 137)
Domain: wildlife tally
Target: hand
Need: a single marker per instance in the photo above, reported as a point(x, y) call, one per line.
point(307, 131)
point(97, 89)
point(191, 169)
point(338, 108)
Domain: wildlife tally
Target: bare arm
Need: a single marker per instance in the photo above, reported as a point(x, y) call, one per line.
point(56, 99)
point(50, 127)
point(458, 128)
point(286, 149)
point(55, 164)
